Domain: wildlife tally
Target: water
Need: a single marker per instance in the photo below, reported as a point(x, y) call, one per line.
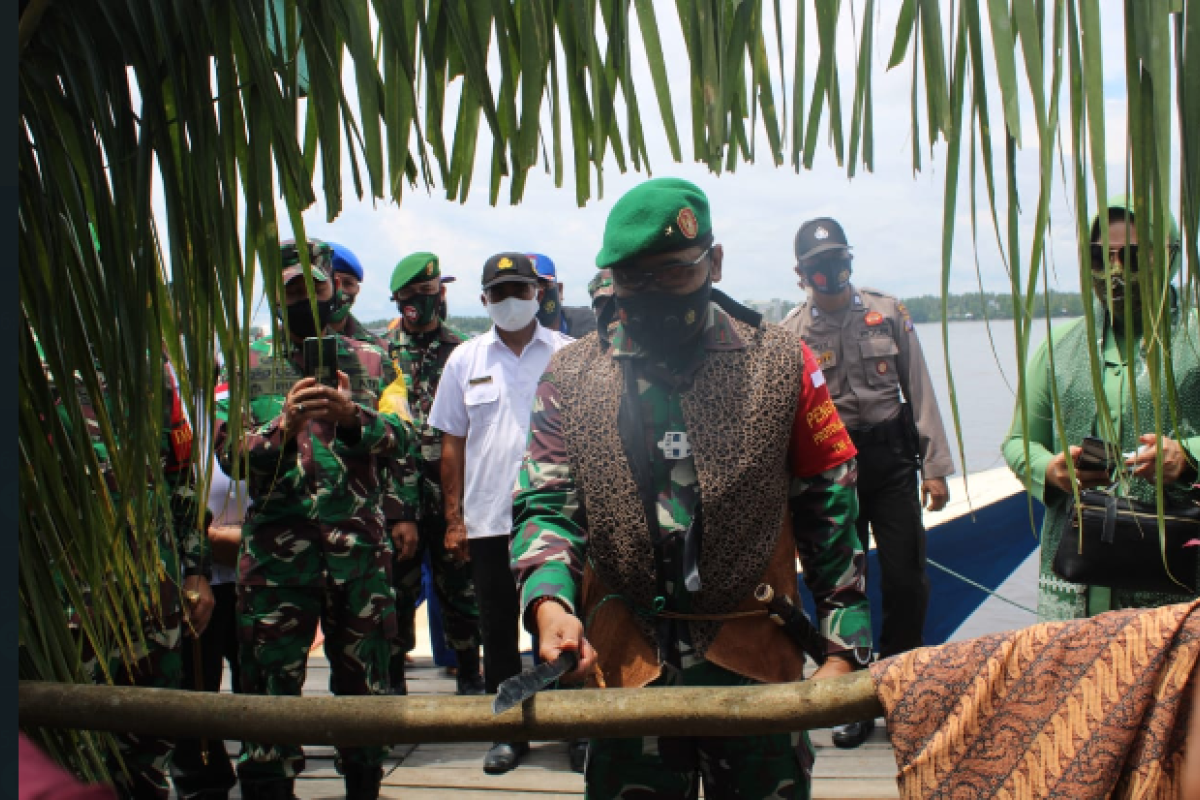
point(985, 383)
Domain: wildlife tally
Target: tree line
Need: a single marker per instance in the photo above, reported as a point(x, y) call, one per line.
point(926, 308)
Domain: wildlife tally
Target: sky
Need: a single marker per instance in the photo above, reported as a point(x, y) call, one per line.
point(892, 217)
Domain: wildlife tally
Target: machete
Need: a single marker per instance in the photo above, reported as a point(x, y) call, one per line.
point(521, 687)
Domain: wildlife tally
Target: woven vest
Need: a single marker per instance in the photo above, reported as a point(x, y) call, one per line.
point(1057, 598)
point(739, 413)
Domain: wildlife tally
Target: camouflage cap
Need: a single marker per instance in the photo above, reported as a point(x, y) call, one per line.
point(659, 216)
point(415, 268)
point(601, 284)
point(320, 255)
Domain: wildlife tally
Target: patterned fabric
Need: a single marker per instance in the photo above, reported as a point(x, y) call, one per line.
point(420, 360)
point(315, 499)
point(277, 624)
point(576, 497)
point(1085, 708)
point(1072, 381)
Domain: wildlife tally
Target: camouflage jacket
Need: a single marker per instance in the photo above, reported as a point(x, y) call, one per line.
point(315, 499)
point(400, 500)
point(550, 514)
point(183, 546)
point(420, 358)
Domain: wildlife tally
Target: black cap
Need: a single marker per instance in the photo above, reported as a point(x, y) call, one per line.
point(819, 236)
point(508, 268)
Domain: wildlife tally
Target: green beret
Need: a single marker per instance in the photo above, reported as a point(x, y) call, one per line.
point(415, 268)
point(659, 216)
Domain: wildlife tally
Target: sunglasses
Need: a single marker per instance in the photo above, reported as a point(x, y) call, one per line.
point(1127, 255)
point(637, 279)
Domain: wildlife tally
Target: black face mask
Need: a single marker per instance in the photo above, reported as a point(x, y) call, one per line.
point(419, 310)
point(663, 323)
point(550, 311)
point(300, 322)
point(827, 275)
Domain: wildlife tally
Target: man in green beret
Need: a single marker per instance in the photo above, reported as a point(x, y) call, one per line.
point(675, 463)
point(419, 346)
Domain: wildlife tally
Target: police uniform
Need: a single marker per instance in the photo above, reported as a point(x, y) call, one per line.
point(873, 363)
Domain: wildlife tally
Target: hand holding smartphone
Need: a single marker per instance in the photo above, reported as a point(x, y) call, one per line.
point(321, 360)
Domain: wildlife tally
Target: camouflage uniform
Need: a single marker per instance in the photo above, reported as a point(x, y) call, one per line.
point(420, 359)
point(551, 546)
point(183, 552)
point(313, 545)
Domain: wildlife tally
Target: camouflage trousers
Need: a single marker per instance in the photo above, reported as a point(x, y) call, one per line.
point(276, 629)
point(671, 768)
point(157, 663)
point(454, 587)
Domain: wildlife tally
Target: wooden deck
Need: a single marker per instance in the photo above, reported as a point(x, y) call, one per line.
point(455, 770)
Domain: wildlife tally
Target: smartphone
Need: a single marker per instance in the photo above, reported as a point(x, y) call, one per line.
point(320, 359)
point(1098, 455)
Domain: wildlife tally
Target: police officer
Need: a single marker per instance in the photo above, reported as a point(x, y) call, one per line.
point(314, 546)
point(866, 345)
point(419, 347)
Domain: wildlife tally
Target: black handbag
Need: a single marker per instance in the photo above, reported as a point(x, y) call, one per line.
point(1121, 546)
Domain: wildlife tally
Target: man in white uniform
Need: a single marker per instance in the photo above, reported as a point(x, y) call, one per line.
point(482, 407)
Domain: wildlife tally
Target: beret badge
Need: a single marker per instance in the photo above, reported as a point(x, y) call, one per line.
point(687, 223)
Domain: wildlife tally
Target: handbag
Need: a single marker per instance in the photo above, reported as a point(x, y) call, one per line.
point(1121, 545)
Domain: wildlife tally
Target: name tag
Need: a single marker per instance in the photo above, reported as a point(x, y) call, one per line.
point(479, 381)
point(273, 378)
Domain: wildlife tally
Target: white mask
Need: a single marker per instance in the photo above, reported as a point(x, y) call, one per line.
point(513, 313)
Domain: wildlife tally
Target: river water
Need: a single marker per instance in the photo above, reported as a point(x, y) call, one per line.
point(985, 383)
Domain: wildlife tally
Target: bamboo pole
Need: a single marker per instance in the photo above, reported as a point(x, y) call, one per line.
point(367, 721)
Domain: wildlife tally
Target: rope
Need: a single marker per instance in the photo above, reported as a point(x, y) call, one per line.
point(979, 586)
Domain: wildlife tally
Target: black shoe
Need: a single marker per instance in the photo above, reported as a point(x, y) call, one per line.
point(577, 751)
point(269, 790)
point(468, 679)
point(503, 757)
point(851, 736)
point(207, 795)
point(362, 782)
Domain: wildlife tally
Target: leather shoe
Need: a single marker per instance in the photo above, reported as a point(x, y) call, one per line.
point(852, 735)
point(503, 757)
point(577, 751)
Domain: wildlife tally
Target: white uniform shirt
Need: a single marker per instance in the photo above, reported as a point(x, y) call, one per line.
point(486, 396)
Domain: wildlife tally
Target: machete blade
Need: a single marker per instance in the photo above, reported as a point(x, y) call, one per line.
point(520, 688)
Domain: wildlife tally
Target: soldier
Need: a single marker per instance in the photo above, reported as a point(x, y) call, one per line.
point(348, 277)
point(575, 322)
point(600, 289)
point(672, 468)
point(184, 560)
point(314, 546)
point(419, 347)
point(865, 344)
